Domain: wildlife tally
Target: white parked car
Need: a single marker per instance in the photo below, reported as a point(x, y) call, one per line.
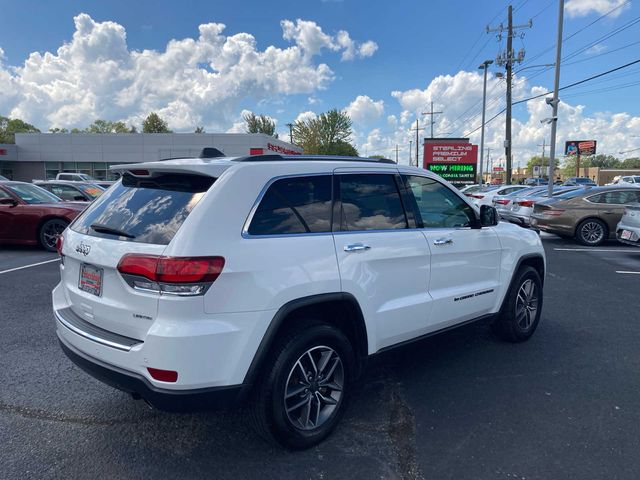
point(205, 282)
point(629, 180)
point(485, 197)
point(628, 229)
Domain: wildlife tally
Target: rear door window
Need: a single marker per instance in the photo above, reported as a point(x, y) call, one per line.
point(294, 205)
point(145, 210)
point(370, 202)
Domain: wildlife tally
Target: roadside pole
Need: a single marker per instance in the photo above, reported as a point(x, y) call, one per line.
point(554, 102)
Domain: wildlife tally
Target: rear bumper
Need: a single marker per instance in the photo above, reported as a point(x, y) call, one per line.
point(163, 399)
point(635, 235)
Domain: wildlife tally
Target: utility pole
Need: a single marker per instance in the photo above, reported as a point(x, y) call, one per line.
point(542, 159)
point(485, 67)
point(490, 163)
point(396, 153)
point(554, 102)
point(508, 58)
point(290, 125)
point(417, 129)
point(432, 113)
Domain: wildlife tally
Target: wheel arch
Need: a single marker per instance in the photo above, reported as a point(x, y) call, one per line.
point(534, 260)
point(339, 309)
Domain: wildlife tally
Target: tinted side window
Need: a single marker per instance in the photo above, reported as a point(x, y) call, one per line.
point(370, 202)
point(294, 205)
point(65, 192)
point(439, 207)
point(616, 197)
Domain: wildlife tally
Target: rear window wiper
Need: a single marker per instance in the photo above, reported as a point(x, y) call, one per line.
point(98, 227)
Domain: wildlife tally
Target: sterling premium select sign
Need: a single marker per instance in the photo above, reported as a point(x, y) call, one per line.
point(454, 159)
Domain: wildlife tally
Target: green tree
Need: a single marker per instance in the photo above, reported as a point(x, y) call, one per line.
point(259, 124)
point(154, 124)
point(327, 134)
point(58, 130)
point(105, 126)
point(10, 126)
point(199, 130)
point(633, 162)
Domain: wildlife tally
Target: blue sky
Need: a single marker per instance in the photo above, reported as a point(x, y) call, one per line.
point(417, 42)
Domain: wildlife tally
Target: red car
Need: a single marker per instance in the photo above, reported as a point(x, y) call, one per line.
point(29, 215)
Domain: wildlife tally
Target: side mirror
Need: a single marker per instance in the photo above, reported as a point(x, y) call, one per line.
point(488, 216)
point(8, 201)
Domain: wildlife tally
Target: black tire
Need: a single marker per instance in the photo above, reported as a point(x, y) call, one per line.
point(592, 232)
point(520, 313)
point(49, 232)
point(275, 417)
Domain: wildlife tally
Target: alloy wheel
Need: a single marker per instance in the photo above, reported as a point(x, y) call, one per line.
point(527, 304)
point(51, 231)
point(592, 233)
point(314, 388)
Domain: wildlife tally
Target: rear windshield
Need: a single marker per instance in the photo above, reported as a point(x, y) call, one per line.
point(145, 210)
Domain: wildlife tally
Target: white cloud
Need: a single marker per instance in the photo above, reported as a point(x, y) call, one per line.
point(310, 37)
point(460, 97)
point(367, 49)
point(192, 81)
point(579, 8)
point(303, 116)
point(597, 48)
point(364, 110)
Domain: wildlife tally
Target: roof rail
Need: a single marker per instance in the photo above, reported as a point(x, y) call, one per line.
point(324, 158)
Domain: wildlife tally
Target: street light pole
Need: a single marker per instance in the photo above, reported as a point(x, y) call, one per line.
point(485, 67)
point(555, 101)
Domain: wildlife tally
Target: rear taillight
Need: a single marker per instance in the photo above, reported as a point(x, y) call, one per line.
point(526, 203)
point(554, 212)
point(59, 244)
point(475, 195)
point(171, 275)
point(502, 202)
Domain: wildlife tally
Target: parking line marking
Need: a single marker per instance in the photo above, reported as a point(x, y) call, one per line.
point(622, 271)
point(596, 250)
point(28, 266)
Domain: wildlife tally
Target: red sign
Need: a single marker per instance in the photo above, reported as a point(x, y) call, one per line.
point(256, 151)
point(3, 151)
point(279, 149)
point(498, 169)
point(450, 153)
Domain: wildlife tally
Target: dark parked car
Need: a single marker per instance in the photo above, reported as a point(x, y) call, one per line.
point(29, 215)
point(579, 181)
point(72, 191)
point(588, 214)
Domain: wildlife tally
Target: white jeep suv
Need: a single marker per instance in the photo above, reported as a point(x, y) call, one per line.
point(203, 282)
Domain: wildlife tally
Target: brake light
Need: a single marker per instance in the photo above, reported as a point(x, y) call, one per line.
point(502, 202)
point(140, 173)
point(171, 275)
point(526, 203)
point(475, 195)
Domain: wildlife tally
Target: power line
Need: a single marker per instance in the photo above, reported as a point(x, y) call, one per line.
point(593, 77)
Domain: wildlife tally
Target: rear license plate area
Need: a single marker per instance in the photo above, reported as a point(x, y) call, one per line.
point(90, 280)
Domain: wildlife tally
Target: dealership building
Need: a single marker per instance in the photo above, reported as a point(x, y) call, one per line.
point(44, 155)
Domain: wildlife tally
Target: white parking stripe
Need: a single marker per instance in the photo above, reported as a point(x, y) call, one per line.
point(637, 250)
point(633, 273)
point(29, 266)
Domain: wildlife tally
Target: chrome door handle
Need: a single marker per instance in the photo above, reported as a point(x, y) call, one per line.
point(442, 241)
point(355, 247)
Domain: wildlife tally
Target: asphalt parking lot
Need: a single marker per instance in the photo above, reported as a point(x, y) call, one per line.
point(462, 405)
